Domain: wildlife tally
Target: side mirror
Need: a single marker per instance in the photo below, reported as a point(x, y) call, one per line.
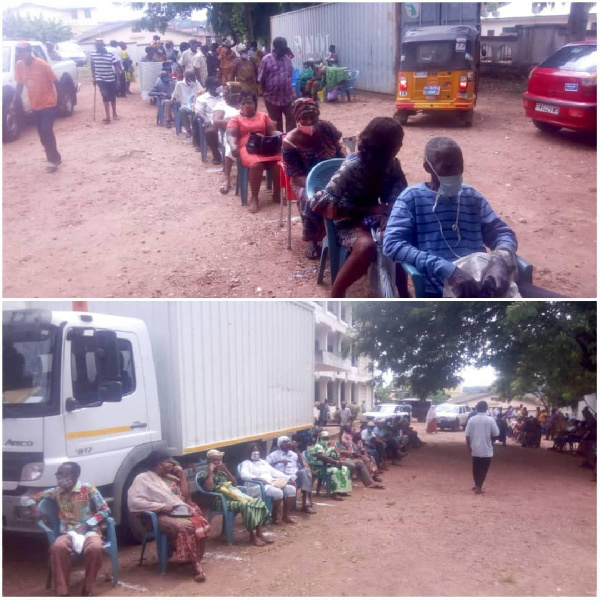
point(110, 391)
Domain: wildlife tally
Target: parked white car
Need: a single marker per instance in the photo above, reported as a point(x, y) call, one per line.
point(452, 416)
point(66, 72)
point(73, 51)
point(383, 411)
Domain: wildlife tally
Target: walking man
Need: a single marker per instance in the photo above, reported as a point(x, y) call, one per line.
point(105, 71)
point(42, 86)
point(345, 418)
point(479, 432)
point(81, 510)
point(275, 76)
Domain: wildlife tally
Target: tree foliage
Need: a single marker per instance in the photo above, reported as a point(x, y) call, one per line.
point(543, 348)
point(15, 27)
point(239, 20)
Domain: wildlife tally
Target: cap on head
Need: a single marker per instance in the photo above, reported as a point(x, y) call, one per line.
point(482, 406)
point(23, 45)
point(371, 424)
point(214, 453)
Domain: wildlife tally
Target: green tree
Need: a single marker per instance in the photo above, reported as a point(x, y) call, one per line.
point(15, 27)
point(240, 20)
point(544, 348)
point(383, 394)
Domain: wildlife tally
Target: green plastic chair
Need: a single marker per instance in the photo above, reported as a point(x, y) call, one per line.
point(320, 471)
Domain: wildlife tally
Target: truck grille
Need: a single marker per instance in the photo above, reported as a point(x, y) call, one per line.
point(13, 463)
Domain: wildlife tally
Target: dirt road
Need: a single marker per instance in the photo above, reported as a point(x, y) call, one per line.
point(134, 213)
point(533, 533)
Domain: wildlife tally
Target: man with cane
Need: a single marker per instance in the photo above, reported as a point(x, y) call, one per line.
point(105, 71)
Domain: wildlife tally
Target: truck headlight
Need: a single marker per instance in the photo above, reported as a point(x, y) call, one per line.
point(32, 471)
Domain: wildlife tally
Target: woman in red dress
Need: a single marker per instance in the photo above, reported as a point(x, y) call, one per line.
point(238, 132)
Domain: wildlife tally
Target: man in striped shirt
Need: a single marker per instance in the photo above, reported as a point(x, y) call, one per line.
point(105, 70)
point(432, 224)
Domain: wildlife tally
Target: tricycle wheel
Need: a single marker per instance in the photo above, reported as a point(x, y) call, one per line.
point(466, 118)
point(401, 116)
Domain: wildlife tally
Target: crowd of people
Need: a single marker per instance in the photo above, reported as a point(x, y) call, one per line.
point(263, 490)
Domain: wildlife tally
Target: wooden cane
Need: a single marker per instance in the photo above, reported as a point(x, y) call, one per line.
point(94, 102)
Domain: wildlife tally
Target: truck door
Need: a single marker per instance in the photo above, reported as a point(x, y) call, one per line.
point(93, 427)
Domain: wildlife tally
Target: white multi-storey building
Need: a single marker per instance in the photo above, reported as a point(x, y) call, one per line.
point(340, 375)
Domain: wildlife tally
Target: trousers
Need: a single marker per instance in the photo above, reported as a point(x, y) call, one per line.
point(358, 467)
point(60, 562)
point(276, 113)
point(480, 469)
point(44, 120)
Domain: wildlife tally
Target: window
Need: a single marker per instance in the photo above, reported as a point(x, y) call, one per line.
point(87, 13)
point(434, 53)
point(87, 367)
point(74, 14)
point(573, 58)
point(491, 32)
point(5, 59)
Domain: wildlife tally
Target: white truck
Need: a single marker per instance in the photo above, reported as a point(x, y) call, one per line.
point(66, 72)
point(104, 388)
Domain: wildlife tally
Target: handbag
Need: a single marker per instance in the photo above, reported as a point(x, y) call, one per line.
point(263, 145)
point(181, 510)
point(280, 482)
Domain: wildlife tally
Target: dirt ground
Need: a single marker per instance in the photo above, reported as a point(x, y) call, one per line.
point(133, 212)
point(533, 533)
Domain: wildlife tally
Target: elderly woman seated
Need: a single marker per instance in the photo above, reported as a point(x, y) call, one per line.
point(311, 142)
point(252, 121)
point(163, 489)
point(216, 477)
point(276, 483)
point(288, 459)
point(322, 454)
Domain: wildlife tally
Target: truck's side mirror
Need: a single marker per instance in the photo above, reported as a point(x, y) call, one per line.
point(110, 391)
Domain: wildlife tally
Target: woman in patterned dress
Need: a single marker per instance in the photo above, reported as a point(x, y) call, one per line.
point(327, 456)
point(164, 490)
point(360, 196)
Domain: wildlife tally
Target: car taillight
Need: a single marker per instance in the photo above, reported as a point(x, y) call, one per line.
point(403, 85)
point(589, 81)
point(462, 84)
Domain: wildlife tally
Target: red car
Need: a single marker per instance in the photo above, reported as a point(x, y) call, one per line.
point(561, 91)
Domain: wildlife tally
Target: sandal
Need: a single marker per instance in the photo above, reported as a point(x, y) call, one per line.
point(106, 121)
point(308, 510)
point(199, 575)
point(376, 486)
point(225, 189)
point(312, 252)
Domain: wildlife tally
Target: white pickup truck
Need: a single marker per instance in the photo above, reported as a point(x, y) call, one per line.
point(66, 72)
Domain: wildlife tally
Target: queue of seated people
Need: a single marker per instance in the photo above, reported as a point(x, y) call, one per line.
point(436, 226)
point(262, 490)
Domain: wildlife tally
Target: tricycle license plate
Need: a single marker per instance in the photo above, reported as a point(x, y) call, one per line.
point(432, 90)
point(546, 108)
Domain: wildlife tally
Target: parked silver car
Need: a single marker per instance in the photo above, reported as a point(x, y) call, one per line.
point(452, 416)
point(72, 51)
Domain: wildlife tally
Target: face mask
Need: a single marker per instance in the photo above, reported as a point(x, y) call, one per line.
point(255, 456)
point(307, 129)
point(166, 79)
point(220, 89)
point(64, 482)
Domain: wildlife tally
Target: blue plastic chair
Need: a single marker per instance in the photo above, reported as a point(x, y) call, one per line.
point(241, 185)
point(295, 81)
point(49, 510)
point(317, 179)
point(198, 128)
point(348, 89)
point(163, 548)
point(525, 270)
point(320, 472)
point(263, 494)
point(160, 111)
point(227, 515)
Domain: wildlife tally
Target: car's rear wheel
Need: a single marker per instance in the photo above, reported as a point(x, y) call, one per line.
point(12, 121)
point(455, 425)
point(66, 100)
point(466, 118)
point(547, 127)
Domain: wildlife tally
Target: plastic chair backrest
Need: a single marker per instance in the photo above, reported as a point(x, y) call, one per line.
point(295, 76)
point(320, 174)
point(49, 509)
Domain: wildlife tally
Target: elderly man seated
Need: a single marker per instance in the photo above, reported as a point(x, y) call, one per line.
point(435, 223)
point(374, 444)
point(288, 459)
point(184, 91)
point(163, 90)
point(204, 109)
point(276, 483)
point(81, 511)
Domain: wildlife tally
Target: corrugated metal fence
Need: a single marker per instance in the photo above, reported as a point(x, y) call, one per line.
point(364, 35)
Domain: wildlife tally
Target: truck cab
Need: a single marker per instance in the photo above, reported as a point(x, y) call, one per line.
point(75, 387)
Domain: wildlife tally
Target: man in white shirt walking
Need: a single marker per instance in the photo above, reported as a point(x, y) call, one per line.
point(479, 432)
point(345, 418)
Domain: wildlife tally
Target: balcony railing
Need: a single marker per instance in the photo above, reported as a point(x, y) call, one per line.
point(328, 361)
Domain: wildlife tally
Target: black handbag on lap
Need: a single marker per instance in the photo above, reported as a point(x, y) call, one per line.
point(263, 145)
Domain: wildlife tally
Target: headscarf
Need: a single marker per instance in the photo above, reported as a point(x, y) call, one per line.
point(304, 105)
point(282, 439)
point(216, 453)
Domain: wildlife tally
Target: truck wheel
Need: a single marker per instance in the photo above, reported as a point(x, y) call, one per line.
point(547, 127)
point(66, 100)
point(401, 116)
point(466, 118)
point(12, 122)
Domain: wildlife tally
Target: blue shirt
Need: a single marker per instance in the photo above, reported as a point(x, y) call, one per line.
point(413, 232)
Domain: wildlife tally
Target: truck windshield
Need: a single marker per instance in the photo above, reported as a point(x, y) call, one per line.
point(6, 59)
point(27, 361)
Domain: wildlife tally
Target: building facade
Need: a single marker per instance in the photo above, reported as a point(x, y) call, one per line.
point(78, 15)
point(340, 375)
